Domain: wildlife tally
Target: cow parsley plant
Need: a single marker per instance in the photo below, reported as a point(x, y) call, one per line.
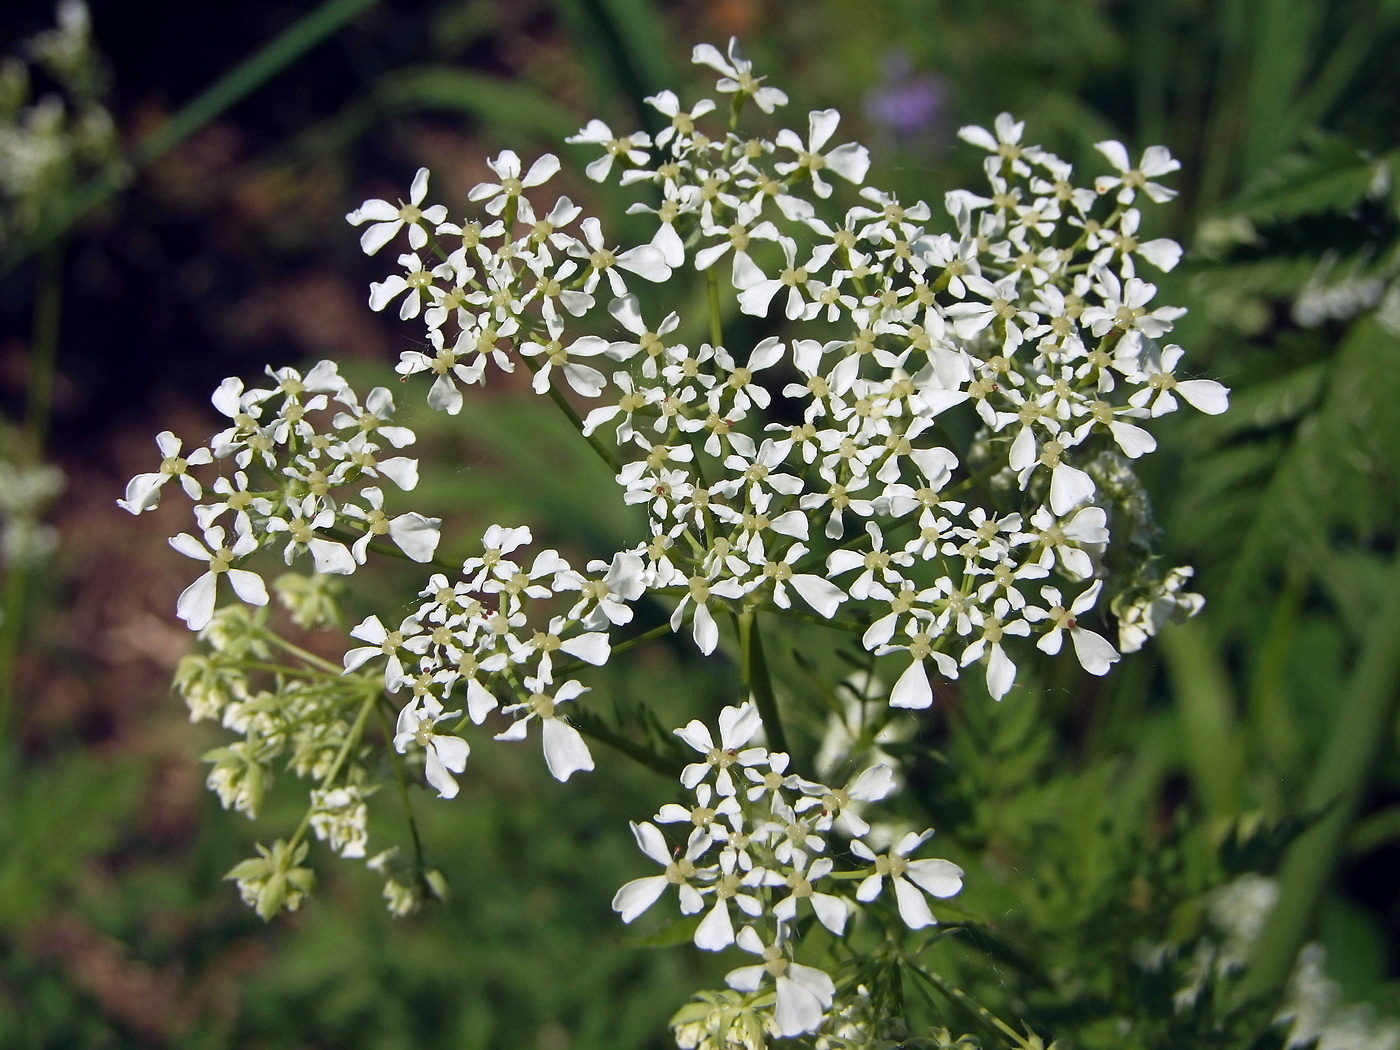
point(928, 447)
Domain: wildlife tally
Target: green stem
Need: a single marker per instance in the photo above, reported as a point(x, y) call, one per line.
point(43, 357)
point(292, 672)
point(966, 1001)
point(352, 738)
point(1338, 784)
point(419, 856)
point(245, 78)
point(754, 680)
point(576, 421)
point(303, 655)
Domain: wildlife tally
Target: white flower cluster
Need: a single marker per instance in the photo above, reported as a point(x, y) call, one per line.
point(476, 632)
point(320, 455)
point(929, 448)
point(1028, 323)
point(756, 851)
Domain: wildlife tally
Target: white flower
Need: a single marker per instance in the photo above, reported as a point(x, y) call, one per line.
point(939, 878)
point(682, 124)
point(804, 993)
point(831, 911)
point(737, 75)
point(1205, 395)
point(565, 752)
point(196, 603)
point(443, 754)
point(1156, 160)
point(599, 134)
point(737, 726)
point(1096, 655)
point(699, 591)
point(143, 491)
point(851, 161)
point(640, 894)
point(389, 219)
point(414, 534)
point(382, 642)
point(644, 260)
point(1006, 144)
point(507, 169)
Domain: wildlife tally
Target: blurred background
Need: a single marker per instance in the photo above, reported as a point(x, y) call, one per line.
point(201, 234)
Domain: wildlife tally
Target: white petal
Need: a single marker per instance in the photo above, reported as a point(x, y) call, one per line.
point(942, 878)
point(651, 842)
point(874, 784)
point(1134, 441)
point(248, 586)
point(637, 896)
point(143, 493)
point(822, 595)
point(831, 911)
point(1205, 395)
point(452, 750)
point(912, 689)
point(416, 535)
point(913, 909)
point(438, 775)
point(591, 648)
point(191, 547)
point(332, 557)
point(378, 235)
point(705, 630)
point(869, 888)
point(716, 930)
point(1095, 653)
point(850, 161)
point(1069, 487)
point(1001, 672)
point(1116, 154)
point(798, 1009)
point(745, 978)
point(1162, 253)
point(196, 603)
point(645, 261)
point(565, 752)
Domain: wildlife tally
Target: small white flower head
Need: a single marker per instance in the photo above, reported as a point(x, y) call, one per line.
point(911, 879)
point(851, 161)
point(804, 993)
point(388, 219)
point(640, 894)
point(736, 76)
point(596, 133)
point(565, 751)
point(143, 491)
point(1156, 161)
point(1096, 655)
point(1005, 144)
point(444, 754)
point(196, 603)
point(508, 169)
point(737, 727)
